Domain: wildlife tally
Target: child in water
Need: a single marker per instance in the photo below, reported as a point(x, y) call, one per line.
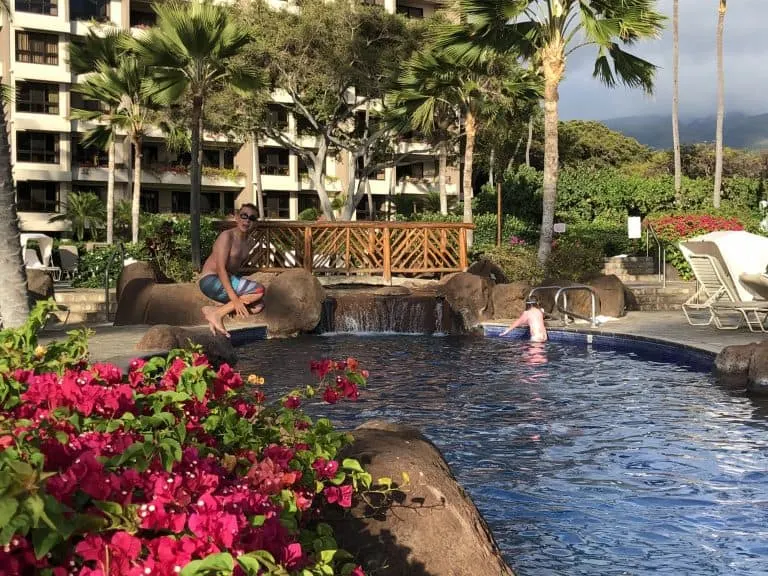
point(533, 317)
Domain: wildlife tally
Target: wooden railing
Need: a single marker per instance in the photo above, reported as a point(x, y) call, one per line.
point(371, 248)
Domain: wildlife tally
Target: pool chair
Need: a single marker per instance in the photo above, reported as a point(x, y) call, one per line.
point(69, 258)
point(718, 299)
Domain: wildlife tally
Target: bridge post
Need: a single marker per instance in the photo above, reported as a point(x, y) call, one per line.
point(387, 256)
point(308, 248)
point(463, 248)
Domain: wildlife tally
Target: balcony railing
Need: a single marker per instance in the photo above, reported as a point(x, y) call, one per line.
point(369, 248)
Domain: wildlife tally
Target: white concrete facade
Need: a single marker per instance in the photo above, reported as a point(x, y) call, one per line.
point(49, 163)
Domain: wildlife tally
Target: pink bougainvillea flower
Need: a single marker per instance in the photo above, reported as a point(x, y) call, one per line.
point(325, 468)
point(330, 395)
point(341, 495)
point(292, 402)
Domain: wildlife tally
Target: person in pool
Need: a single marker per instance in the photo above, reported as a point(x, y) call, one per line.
point(533, 317)
point(219, 281)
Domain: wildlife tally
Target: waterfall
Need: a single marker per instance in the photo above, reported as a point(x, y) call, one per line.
point(359, 311)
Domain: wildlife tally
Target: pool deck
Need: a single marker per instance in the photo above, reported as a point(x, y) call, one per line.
point(117, 343)
point(668, 327)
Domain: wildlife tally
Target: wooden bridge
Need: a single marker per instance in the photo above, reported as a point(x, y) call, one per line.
point(351, 248)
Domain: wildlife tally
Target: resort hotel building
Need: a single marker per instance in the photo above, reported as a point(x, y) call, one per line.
point(50, 161)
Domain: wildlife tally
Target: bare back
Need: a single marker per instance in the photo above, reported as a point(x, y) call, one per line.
point(232, 248)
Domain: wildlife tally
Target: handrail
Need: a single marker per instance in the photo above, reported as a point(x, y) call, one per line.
point(562, 291)
point(662, 254)
point(121, 252)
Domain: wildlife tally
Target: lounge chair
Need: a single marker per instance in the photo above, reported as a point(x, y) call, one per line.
point(717, 296)
point(69, 258)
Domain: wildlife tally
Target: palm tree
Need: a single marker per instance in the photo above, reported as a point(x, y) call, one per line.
point(127, 107)
point(676, 100)
point(546, 32)
point(85, 55)
point(436, 86)
point(720, 104)
point(190, 53)
point(14, 306)
point(84, 211)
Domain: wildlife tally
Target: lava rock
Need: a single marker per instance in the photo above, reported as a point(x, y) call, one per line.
point(508, 300)
point(469, 296)
point(293, 303)
point(218, 349)
point(430, 527)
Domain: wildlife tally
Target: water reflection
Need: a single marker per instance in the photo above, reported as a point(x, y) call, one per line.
point(583, 462)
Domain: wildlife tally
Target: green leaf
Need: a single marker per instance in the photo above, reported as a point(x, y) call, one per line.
point(222, 562)
point(8, 507)
point(43, 539)
point(199, 387)
point(352, 464)
point(258, 520)
point(384, 481)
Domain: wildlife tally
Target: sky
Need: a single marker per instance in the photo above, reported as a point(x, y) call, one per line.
point(746, 67)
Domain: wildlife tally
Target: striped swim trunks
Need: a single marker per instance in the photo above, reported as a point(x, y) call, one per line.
point(211, 286)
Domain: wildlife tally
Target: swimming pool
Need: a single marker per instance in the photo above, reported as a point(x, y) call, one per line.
point(582, 461)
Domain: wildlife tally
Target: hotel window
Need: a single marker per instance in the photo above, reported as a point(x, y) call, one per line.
point(37, 48)
point(277, 116)
point(40, 147)
point(274, 161)
point(180, 202)
point(149, 201)
point(229, 159)
point(210, 158)
point(378, 175)
point(410, 11)
point(37, 97)
point(89, 10)
point(47, 7)
point(276, 205)
point(89, 156)
point(415, 171)
point(37, 196)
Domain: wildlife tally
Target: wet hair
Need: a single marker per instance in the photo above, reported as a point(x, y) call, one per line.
point(532, 302)
point(249, 205)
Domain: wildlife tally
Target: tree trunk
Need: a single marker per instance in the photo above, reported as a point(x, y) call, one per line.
point(529, 142)
point(317, 173)
point(720, 105)
point(470, 130)
point(136, 196)
point(554, 65)
point(442, 177)
point(14, 307)
point(676, 101)
point(111, 191)
point(369, 196)
point(195, 175)
point(259, 200)
point(491, 161)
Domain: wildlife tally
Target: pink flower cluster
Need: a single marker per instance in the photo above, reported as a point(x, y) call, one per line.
point(679, 227)
point(102, 435)
point(338, 378)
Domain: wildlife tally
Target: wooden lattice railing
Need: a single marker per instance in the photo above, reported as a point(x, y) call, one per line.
point(346, 248)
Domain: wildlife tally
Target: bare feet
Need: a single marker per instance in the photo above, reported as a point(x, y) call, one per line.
point(256, 309)
point(214, 321)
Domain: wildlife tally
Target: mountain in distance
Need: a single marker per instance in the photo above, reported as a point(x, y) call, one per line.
point(739, 131)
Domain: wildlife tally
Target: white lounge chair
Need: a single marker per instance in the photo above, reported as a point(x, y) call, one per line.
point(717, 298)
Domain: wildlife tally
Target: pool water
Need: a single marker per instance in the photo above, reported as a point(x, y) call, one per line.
point(582, 461)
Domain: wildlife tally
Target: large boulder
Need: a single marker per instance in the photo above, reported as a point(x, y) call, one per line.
point(757, 377)
point(609, 291)
point(219, 349)
point(489, 270)
point(39, 285)
point(610, 294)
point(469, 296)
point(430, 528)
point(733, 362)
point(508, 300)
point(293, 303)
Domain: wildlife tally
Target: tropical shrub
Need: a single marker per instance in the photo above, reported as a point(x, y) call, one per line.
point(517, 260)
point(171, 468)
point(309, 214)
point(92, 265)
point(674, 228)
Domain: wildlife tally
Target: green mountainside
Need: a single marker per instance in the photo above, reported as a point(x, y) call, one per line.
point(740, 130)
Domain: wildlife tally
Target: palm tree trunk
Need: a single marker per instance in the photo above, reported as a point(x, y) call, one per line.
point(196, 177)
point(529, 142)
point(470, 130)
point(554, 66)
point(14, 306)
point(491, 161)
point(441, 177)
point(720, 105)
point(676, 100)
point(257, 177)
point(135, 200)
point(111, 191)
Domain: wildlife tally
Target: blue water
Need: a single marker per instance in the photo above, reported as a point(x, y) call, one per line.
point(582, 462)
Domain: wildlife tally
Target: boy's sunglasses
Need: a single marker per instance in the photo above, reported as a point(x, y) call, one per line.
point(251, 217)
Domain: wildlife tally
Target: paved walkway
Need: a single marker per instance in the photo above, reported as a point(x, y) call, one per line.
point(118, 342)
